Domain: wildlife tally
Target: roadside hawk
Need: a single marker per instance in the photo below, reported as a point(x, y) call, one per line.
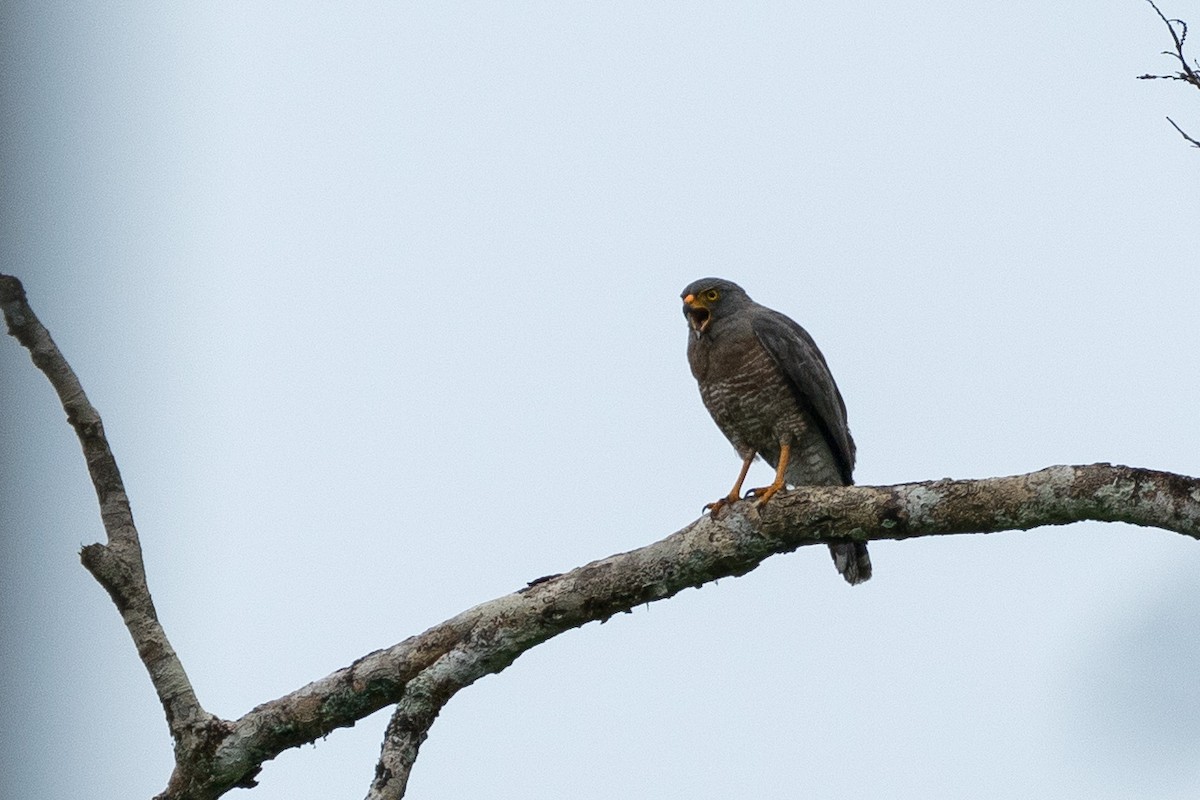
point(770, 392)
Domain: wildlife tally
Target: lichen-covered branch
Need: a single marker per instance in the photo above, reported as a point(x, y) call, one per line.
point(117, 564)
point(424, 698)
point(421, 674)
point(495, 633)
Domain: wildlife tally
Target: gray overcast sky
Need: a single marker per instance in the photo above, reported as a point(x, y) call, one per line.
point(380, 305)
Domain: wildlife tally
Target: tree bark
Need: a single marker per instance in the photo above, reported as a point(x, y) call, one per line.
point(420, 674)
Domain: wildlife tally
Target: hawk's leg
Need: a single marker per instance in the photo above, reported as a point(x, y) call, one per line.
point(761, 496)
point(735, 493)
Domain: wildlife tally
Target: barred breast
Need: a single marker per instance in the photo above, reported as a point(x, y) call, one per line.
point(755, 407)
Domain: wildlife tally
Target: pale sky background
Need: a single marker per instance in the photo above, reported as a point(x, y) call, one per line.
point(379, 303)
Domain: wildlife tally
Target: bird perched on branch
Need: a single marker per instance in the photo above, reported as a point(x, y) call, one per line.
point(770, 392)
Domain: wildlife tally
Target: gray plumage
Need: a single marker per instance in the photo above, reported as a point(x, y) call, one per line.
point(767, 386)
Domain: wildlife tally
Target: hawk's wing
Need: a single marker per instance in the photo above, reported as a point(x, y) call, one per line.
point(811, 382)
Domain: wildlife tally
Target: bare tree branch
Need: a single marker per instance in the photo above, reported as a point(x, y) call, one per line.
point(421, 674)
point(711, 549)
point(1189, 73)
point(423, 700)
point(1183, 133)
point(117, 565)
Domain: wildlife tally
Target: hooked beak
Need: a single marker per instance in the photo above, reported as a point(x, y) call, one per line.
point(698, 315)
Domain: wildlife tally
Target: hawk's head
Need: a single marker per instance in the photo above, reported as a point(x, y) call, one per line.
point(708, 299)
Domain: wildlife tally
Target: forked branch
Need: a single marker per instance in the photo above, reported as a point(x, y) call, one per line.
point(1188, 72)
point(420, 674)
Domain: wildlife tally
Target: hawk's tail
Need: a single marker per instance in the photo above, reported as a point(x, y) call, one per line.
point(852, 561)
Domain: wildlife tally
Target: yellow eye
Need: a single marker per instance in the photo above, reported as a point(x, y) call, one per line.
point(711, 295)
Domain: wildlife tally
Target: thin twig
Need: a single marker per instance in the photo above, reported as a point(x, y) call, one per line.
point(1187, 73)
point(1182, 133)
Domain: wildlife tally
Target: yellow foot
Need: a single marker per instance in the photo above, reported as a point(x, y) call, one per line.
point(763, 494)
point(715, 508)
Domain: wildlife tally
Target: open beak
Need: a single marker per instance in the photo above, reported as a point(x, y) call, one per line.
point(698, 315)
